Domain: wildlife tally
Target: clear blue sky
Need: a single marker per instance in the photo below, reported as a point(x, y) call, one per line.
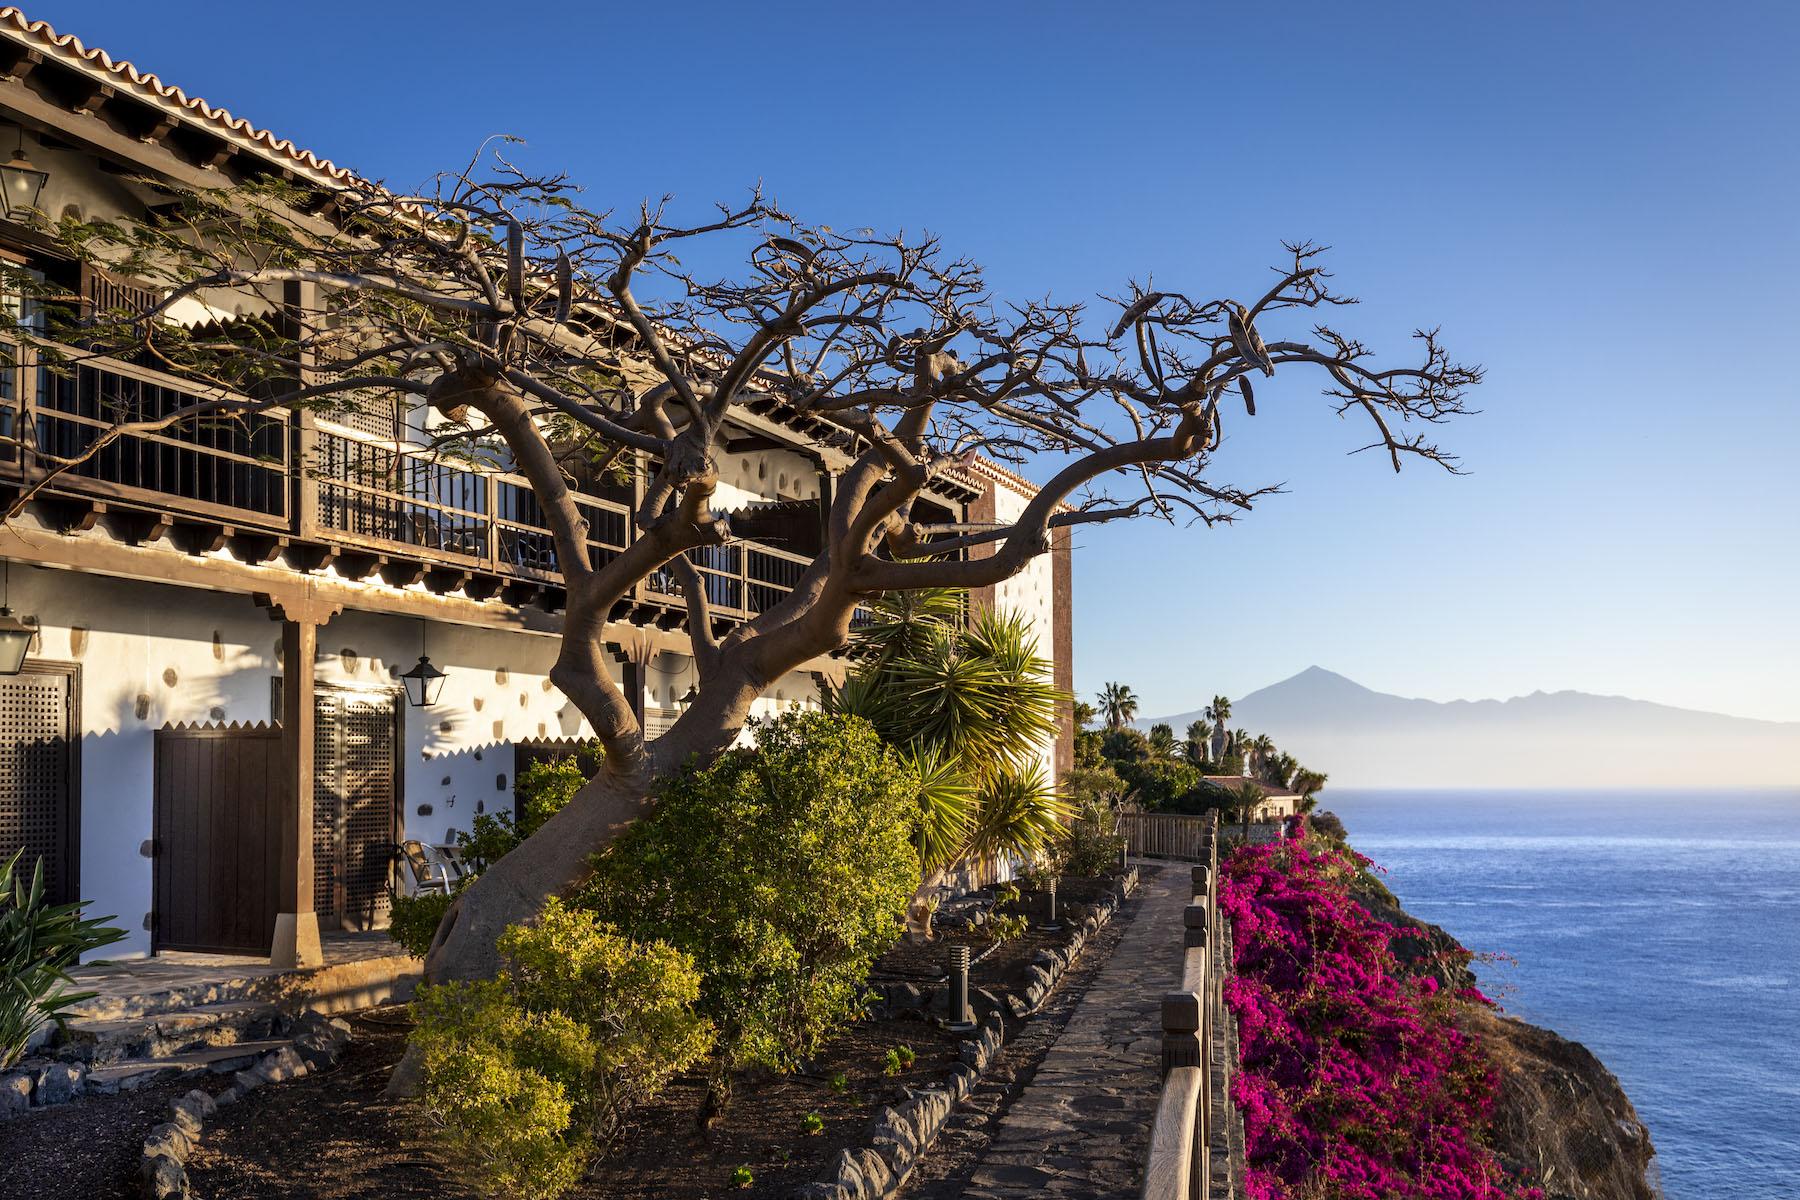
point(1596, 201)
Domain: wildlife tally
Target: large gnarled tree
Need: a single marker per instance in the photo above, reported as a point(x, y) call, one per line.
point(562, 341)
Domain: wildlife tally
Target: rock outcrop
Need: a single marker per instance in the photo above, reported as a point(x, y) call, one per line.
point(1562, 1121)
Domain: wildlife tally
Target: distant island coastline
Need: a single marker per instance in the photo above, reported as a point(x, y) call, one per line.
point(1544, 740)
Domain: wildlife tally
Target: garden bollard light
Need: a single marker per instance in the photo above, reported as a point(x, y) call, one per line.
point(1050, 922)
point(960, 1016)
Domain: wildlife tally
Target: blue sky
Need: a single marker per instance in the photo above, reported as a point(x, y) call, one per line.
point(1595, 201)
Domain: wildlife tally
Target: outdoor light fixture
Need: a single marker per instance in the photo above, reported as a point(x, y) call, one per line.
point(21, 184)
point(423, 683)
point(15, 635)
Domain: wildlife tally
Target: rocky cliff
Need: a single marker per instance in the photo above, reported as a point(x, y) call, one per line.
point(1562, 1120)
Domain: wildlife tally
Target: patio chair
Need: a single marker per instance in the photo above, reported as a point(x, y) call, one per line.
point(429, 874)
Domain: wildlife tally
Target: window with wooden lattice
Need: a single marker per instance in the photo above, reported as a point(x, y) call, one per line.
point(355, 806)
point(37, 775)
point(103, 292)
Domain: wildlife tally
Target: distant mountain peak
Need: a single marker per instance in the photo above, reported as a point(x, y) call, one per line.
point(1565, 738)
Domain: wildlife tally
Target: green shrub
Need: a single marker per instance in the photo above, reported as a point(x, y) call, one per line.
point(502, 1083)
point(1094, 842)
point(543, 788)
point(414, 920)
point(529, 1073)
point(39, 942)
point(812, 1124)
point(1008, 927)
point(490, 836)
point(742, 1177)
point(784, 870)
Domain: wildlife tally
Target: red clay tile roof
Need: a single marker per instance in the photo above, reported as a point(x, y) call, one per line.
point(122, 74)
point(1234, 782)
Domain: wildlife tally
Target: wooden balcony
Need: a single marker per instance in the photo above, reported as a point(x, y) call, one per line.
point(318, 493)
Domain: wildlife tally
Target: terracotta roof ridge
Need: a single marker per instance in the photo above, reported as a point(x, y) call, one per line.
point(72, 50)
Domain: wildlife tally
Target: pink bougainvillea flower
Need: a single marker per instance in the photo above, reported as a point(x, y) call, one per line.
point(1354, 1082)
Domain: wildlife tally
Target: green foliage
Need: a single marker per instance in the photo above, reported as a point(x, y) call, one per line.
point(970, 705)
point(1007, 927)
point(1118, 705)
point(840, 1083)
point(1124, 745)
point(415, 920)
point(1017, 812)
point(39, 942)
point(529, 1072)
point(898, 1059)
point(544, 787)
point(1087, 748)
point(501, 1083)
point(1006, 893)
point(1160, 784)
point(812, 1124)
point(490, 836)
point(1162, 740)
point(784, 870)
point(1095, 843)
point(742, 1177)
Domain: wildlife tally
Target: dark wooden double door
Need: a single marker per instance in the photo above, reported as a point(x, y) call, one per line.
point(221, 797)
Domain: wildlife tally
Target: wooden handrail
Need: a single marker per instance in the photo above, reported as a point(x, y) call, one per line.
point(1196, 1074)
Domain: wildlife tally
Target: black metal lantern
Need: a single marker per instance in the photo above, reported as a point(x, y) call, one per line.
point(21, 184)
point(15, 640)
point(423, 683)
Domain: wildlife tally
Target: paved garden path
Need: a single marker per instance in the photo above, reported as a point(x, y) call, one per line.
point(1077, 1127)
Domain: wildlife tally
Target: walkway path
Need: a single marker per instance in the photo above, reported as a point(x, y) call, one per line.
point(1076, 1126)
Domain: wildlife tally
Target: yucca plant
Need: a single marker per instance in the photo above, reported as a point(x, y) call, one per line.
point(39, 942)
point(969, 703)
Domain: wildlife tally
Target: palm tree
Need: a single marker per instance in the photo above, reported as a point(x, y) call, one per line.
point(1162, 740)
point(1261, 747)
point(1244, 800)
point(1118, 705)
point(1219, 712)
point(1282, 770)
point(1308, 784)
point(1199, 742)
point(970, 706)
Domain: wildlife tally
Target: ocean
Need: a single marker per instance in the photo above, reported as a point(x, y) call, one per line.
point(1660, 929)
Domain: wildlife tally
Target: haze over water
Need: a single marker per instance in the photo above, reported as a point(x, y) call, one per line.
point(1660, 929)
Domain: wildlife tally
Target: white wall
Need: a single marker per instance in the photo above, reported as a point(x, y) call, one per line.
point(151, 654)
point(1031, 593)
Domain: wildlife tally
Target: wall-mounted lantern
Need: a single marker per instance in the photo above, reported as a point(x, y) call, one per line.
point(423, 683)
point(21, 184)
point(15, 640)
point(15, 635)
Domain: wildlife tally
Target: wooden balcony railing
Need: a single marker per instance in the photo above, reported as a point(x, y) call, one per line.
point(281, 473)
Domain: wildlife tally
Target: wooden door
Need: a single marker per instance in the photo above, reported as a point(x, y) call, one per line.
point(39, 756)
point(355, 806)
point(220, 798)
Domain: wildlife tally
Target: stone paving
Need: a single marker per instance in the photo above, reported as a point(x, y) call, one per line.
point(1079, 1125)
point(133, 986)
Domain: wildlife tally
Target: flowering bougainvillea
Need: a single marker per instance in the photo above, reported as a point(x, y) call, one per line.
point(1355, 1082)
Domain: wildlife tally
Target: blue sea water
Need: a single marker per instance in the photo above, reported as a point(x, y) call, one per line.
point(1660, 929)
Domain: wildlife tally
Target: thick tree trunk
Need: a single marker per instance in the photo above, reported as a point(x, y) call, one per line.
point(514, 888)
point(918, 910)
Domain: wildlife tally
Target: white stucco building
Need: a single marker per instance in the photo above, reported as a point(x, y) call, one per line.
point(171, 584)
